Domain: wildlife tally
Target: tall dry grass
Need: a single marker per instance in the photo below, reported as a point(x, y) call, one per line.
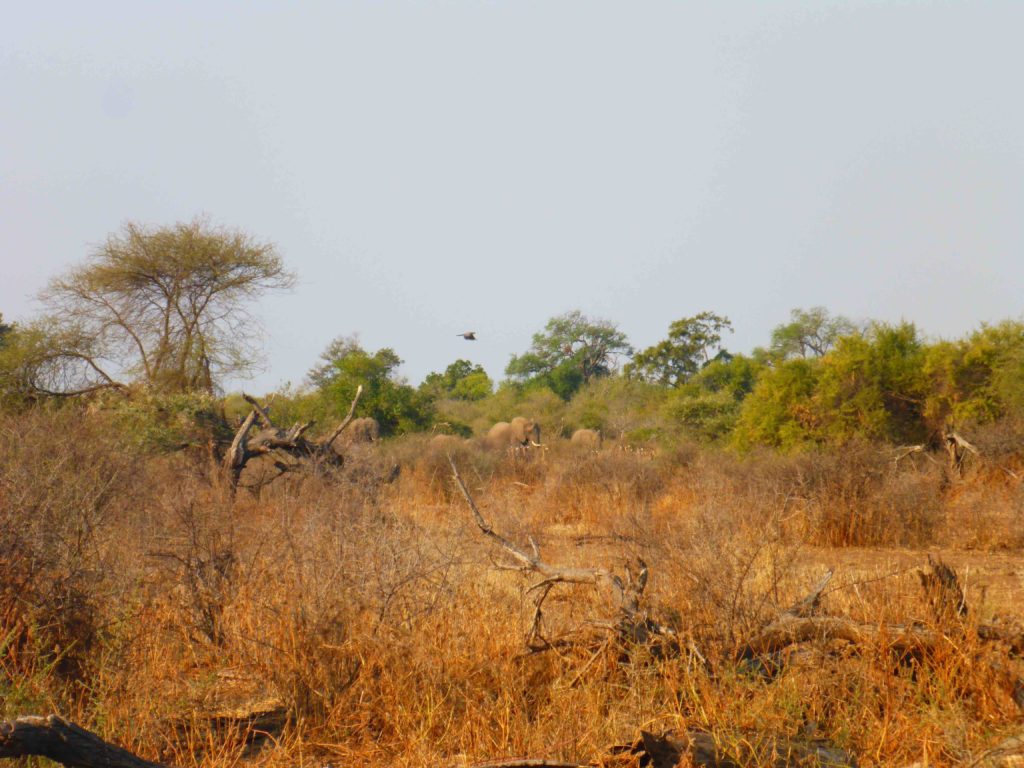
point(358, 616)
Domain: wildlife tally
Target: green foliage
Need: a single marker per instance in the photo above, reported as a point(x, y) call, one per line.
point(345, 365)
point(160, 423)
point(707, 415)
point(462, 380)
point(872, 386)
point(688, 347)
point(978, 379)
point(735, 375)
point(708, 405)
point(33, 362)
point(809, 333)
point(778, 411)
point(616, 405)
point(571, 351)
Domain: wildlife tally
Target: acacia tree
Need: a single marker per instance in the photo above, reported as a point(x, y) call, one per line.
point(572, 350)
point(809, 333)
point(687, 349)
point(169, 307)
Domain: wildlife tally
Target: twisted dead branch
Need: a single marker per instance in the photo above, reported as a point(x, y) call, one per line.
point(633, 624)
point(280, 442)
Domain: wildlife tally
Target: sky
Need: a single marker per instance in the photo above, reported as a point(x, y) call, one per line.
point(428, 168)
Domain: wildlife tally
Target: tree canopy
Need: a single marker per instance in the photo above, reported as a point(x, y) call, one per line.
point(168, 307)
point(345, 365)
point(687, 349)
point(809, 333)
point(570, 351)
point(462, 380)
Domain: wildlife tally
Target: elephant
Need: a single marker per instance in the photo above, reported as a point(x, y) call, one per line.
point(361, 431)
point(590, 439)
point(518, 432)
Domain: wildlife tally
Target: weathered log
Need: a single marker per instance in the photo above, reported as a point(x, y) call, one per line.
point(271, 439)
point(790, 630)
point(699, 748)
point(64, 742)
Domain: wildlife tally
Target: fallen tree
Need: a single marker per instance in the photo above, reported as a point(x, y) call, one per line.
point(280, 443)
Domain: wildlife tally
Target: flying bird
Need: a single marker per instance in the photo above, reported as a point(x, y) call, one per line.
point(468, 335)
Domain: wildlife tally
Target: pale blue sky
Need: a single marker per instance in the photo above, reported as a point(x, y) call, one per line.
point(433, 167)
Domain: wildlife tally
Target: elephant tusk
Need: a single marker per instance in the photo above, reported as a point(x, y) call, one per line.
point(536, 445)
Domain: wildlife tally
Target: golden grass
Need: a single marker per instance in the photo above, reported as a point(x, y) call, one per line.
point(367, 622)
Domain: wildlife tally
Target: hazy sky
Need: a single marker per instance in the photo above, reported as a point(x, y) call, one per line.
point(433, 167)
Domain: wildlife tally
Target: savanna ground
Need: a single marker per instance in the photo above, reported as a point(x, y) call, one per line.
point(354, 617)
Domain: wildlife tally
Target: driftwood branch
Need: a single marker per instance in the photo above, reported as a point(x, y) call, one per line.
point(64, 742)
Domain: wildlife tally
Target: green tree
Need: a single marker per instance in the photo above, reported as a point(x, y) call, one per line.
point(5, 329)
point(571, 351)
point(170, 307)
point(708, 405)
point(779, 410)
point(345, 365)
point(873, 386)
point(687, 349)
point(977, 379)
point(809, 333)
point(462, 380)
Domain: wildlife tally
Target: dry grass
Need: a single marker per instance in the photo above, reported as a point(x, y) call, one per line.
point(354, 617)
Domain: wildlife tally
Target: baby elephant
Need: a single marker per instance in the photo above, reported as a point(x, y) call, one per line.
point(587, 438)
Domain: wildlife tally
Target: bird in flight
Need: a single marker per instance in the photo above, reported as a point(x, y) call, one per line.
point(468, 335)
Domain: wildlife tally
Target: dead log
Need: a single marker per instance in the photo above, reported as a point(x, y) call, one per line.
point(64, 742)
point(791, 630)
point(700, 748)
point(287, 442)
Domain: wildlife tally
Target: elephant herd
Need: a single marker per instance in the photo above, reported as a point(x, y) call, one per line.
point(518, 434)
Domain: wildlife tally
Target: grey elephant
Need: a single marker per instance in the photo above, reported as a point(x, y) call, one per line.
point(364, 430)
point(590, 439)
point(518, 432)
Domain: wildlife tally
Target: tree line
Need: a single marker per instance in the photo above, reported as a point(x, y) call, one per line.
point(156, 317)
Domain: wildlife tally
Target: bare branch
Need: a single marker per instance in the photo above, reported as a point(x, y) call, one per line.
point(347, 420)
point(262, 412)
